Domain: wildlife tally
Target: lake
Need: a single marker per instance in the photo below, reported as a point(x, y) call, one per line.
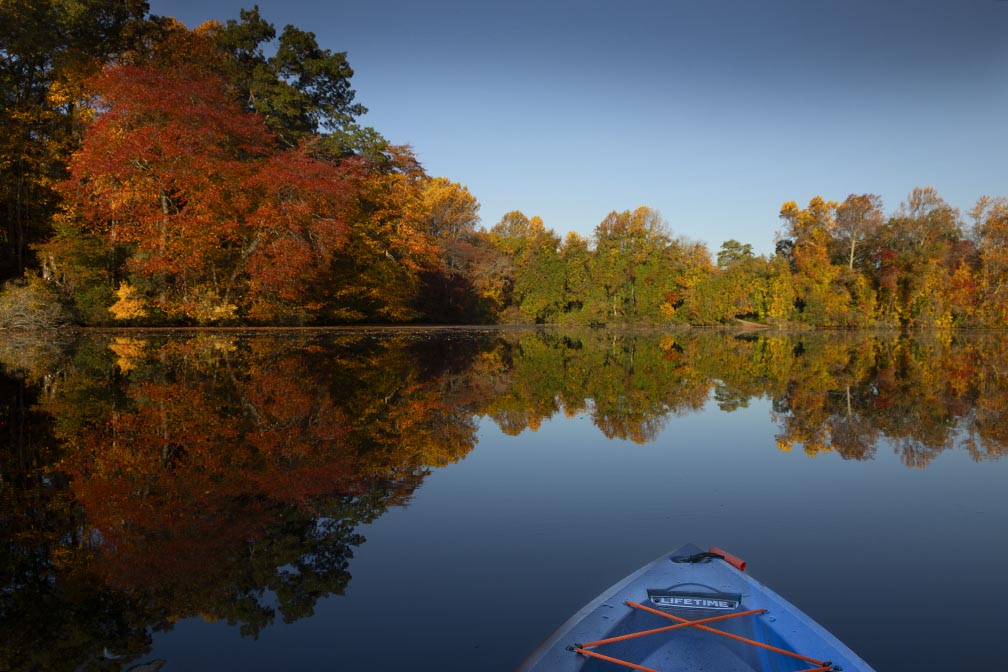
point(443, 499)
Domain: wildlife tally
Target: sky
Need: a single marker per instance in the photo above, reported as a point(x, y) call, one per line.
point(714, 112)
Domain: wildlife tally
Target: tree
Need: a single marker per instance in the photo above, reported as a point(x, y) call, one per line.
point(491, 273)
point(733, 251)
point(300, 89)
point(223, 173)
point(753, 288)
point(47, 49)
point(452, 290)
point(924, 220)
point(629, 250)
point(578, 282)
point(540, 275)
point(820, 296)
point(917, 260)
point(212, 214)
point(511, 232)
point(538, 283)
point(991, 236)
point(304, 219)
point(377, 274)
point(858, 218)
point(744, 286)
point(809, 233)
point(453, 212)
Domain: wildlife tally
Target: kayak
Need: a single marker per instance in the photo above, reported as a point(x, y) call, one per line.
point(692, 610)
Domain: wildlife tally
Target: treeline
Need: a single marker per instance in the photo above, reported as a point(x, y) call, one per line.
point(836, 264)
point(154, 174)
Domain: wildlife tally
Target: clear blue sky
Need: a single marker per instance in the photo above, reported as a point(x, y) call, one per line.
point(712, 111)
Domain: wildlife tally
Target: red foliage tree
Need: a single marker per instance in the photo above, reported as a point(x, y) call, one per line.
point(214, 216)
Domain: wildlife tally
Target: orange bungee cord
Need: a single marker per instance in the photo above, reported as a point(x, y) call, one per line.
point(700, 624)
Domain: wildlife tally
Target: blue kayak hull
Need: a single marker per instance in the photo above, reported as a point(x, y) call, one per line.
point(692, 591)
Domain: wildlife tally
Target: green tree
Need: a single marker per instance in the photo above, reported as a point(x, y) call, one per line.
point(578, 282)
point(539, 272)
point(540, 275)
point(300, 89)
point(732, 251)
point(634, 264)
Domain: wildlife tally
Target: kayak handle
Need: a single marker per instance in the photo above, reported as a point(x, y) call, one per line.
point(733, 560)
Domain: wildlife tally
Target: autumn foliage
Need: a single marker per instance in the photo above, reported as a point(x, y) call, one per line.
point(161, 175)
point(194, 188)
point(213, 184)
point(836, 264)
point(216, 217)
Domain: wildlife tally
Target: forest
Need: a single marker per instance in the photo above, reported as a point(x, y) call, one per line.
point(154, 174)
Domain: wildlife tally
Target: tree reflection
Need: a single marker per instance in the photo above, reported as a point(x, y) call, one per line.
point(842, 393)
point(212, 476)
point(630, 385)
point(921, 395)
point(148, 478)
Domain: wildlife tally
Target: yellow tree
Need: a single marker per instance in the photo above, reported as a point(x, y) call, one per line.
point(808, 236)
point(452, 212)
point(918, 258)
point(991, 234)
point(377, 274)
point(807, 242)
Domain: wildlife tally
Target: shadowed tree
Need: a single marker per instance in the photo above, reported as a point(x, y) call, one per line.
point(47, 49)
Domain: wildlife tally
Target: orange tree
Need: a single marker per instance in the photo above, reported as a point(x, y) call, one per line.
point(215, 221)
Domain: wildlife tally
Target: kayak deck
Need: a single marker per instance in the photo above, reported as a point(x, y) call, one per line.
point(691, 592)
point(691, 649)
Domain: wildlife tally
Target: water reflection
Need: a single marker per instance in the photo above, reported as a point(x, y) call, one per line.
point(830, 392)
point(148, 478)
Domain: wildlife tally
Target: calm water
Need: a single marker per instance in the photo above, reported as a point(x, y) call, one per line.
point(444, 499)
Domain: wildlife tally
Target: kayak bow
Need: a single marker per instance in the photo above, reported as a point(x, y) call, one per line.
point(692, 610)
